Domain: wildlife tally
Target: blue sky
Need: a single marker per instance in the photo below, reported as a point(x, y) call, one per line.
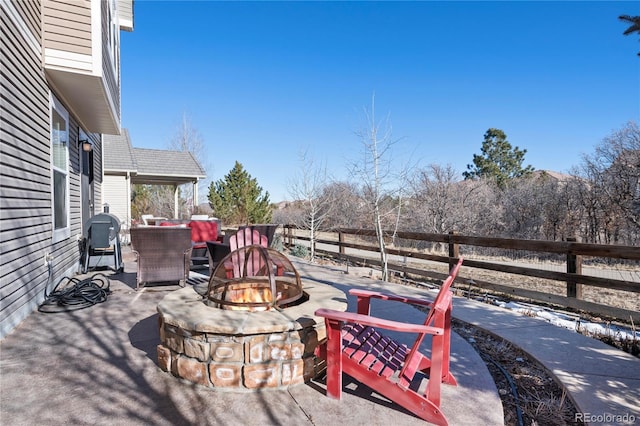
point(264, 81)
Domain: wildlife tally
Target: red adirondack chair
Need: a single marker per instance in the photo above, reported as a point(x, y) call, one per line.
point(235, 265)
point(357, 346)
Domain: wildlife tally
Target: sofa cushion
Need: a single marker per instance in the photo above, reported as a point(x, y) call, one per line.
point(203, 231)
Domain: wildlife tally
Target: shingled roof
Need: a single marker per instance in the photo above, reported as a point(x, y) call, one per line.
point(149, 166)
point(118, 153)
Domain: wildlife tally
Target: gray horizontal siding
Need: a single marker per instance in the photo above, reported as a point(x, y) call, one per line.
point(25, 174)
point(29, 13)
point(27, 166)
point(25, 74)
point(97, 165)
point(110, 69)
point(25, 157)
point(67, 26)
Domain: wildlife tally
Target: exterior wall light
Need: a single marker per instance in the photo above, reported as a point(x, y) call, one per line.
point(87, 146)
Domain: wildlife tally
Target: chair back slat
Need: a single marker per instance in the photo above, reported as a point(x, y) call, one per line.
point(446, 285)
point(246, 237)
point(438, 309)
point(243, 238)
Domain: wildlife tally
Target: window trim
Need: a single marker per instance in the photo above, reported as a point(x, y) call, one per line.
point(64, 232)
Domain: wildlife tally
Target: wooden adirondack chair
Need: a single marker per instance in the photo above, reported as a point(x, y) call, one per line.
point(357, 346)
point(235, 265)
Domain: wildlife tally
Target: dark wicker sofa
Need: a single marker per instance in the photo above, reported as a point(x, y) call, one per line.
point(163, 253)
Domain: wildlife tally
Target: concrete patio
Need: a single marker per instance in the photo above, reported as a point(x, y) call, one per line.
point(99, 366)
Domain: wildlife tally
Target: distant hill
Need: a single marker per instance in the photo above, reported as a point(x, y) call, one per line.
point(561, 177)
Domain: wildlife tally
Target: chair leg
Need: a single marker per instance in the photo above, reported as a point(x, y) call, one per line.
point(447, 377)
point(334, 359)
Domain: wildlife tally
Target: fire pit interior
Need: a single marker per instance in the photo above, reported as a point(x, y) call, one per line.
point(252, 328)
point(254, 278)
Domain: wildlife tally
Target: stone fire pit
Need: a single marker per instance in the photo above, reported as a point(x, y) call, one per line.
point(240, 350)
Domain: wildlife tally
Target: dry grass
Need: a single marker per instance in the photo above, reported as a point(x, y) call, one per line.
point(615, 298)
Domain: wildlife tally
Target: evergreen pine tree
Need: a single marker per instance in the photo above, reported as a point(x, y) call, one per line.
point(499, 160)
point(238, 199)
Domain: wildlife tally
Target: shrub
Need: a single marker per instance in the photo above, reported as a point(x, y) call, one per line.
point(276, 243)
point(299, 251)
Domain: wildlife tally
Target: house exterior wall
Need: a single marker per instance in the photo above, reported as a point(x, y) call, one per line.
point(111, 59)
point(81, 42)
point(31, 259)
point(116, 191)
point(125, 14)
point(67, 26)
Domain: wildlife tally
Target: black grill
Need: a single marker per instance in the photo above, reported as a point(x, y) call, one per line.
point(102, 238)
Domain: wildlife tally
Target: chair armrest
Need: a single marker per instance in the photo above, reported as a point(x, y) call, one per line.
point(366, 294)
point(364, 299)
point(351, 317)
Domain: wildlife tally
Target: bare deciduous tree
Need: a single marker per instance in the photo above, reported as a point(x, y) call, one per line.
point(612, 196)
point(436, 191)
point(441, 202)
point(188, 138)
point(380, 180)
point(347, 206)
point(314, 204)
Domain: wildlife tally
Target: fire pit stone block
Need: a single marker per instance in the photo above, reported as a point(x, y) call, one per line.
point(227, 352)
point(191, 370)
point(293, 372)
point(164, 358)
point(258, 376)
point(227, 375)
point(244, 351)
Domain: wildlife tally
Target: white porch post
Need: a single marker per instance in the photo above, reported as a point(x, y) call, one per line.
point(128, 186)
point(175, 202)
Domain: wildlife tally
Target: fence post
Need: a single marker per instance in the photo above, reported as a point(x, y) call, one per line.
point(574, 266)
point(340, 242)
point(454, 251)
point(289, 235)
point(285, 235)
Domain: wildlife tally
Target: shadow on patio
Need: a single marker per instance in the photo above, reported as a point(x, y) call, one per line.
point(99, 366)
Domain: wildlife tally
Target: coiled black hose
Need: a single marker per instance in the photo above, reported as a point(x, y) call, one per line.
point(76, 294)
